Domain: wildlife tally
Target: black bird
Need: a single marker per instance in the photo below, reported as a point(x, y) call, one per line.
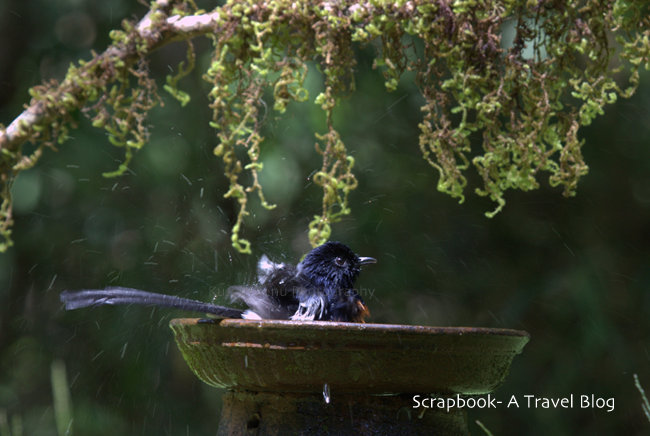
point(321, 287)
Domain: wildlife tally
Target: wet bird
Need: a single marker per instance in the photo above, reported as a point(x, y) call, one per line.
point(321, 287)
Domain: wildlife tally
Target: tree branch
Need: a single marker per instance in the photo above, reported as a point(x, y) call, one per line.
point(156, 29)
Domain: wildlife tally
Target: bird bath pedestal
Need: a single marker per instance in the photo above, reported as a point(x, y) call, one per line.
point(288, 377)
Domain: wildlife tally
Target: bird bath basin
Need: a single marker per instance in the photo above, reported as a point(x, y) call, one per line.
point(280, 373)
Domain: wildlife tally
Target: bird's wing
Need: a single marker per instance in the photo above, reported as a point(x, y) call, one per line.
point(261, 303)
point(266, 267)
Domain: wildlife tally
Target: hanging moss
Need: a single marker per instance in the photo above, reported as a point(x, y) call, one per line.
point(526, 99)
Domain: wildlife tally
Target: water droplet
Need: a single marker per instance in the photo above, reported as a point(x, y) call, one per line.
point(246, 361)
point(326, 393)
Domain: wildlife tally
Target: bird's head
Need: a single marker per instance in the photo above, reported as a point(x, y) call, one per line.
point(333, 266)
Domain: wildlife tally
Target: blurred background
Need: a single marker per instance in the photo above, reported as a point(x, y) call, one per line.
point(574, 273)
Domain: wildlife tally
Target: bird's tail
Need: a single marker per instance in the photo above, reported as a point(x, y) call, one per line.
point(114, 296)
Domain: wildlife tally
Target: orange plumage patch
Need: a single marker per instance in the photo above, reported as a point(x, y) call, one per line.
point(363, 313)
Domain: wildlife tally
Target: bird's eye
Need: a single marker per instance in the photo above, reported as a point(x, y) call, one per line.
point(339, 261)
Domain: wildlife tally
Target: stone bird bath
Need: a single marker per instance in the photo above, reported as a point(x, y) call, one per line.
point(289, 377)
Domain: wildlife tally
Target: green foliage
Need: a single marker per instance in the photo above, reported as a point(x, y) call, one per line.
point(62, 403)
point(645, 404)
point(508, 109)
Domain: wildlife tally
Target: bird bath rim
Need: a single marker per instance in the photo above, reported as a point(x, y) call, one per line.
point(299, 356)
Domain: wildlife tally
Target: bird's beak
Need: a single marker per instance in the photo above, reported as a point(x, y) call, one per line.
point(367, 260)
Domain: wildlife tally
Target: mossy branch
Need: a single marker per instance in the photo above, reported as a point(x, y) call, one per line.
point(508, 109)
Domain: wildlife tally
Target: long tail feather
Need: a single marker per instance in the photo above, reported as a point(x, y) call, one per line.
point(114, 296)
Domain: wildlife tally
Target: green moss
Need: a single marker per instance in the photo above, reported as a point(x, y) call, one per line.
point(526, 99)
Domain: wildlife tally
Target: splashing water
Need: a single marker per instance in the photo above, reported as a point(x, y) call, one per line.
point(326, 393)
